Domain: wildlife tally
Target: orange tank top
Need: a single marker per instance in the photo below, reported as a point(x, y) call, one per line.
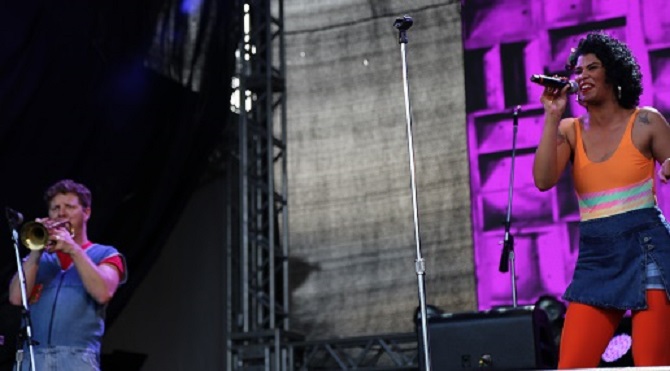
point(622, 183)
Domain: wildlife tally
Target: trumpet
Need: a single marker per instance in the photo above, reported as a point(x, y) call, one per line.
point(35, 235)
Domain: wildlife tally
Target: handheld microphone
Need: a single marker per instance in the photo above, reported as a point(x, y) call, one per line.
point(555, 82)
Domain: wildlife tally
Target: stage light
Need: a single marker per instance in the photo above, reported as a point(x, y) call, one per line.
point(617, 348)
point(618, 352)
point(190, 7)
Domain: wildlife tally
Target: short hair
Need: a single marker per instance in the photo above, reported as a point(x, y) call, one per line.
point(621, 68)
point(69, 186)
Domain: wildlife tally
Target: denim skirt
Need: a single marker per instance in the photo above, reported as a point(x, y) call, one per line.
point(614, 255)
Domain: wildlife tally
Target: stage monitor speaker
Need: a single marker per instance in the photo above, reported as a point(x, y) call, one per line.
point(500, 339)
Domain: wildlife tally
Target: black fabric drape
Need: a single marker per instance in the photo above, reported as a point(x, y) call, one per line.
point(79, 99)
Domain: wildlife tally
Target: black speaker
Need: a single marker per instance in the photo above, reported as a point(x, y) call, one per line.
point(10, 323)
point(500, 339)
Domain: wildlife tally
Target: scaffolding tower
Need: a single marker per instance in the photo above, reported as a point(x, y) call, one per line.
point(257, 258)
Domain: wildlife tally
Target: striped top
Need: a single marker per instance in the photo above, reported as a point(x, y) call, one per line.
point(622, 183)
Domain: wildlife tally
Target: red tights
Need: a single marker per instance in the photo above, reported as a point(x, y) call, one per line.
point(588, 330)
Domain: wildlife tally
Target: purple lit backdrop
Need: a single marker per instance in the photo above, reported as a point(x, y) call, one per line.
point(506, 41)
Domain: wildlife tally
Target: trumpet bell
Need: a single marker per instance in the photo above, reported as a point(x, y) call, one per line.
point(35, 235)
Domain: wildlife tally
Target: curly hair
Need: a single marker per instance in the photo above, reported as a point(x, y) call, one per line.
point(69, 186)
point(621, 68)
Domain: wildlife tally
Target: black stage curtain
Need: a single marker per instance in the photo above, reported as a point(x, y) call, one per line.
point(105, 94)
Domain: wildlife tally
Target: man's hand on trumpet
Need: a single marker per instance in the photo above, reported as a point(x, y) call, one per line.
point(63, 241)
point(60, 237)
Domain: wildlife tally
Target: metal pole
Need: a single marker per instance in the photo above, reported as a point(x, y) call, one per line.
point(403, 24)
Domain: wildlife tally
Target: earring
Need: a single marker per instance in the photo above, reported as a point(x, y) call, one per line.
point(618, 87)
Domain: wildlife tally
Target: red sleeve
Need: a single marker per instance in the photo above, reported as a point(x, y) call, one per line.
point(117, 262)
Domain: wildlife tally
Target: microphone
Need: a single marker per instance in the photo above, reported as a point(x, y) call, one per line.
point(403, 23)
point(555, 82)
point(14, 217)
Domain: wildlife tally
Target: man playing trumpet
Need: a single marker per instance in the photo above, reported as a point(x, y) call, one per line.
point(70, 281)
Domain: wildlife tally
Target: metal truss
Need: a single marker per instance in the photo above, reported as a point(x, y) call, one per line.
point(380, 352)
point(258, 333)
point(258, 295)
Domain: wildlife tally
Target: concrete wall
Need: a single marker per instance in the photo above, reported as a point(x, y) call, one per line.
point(351, 222)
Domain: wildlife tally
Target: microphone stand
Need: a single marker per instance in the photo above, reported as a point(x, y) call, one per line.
point(507, 258)
point(403, 24)
point(14, 219)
